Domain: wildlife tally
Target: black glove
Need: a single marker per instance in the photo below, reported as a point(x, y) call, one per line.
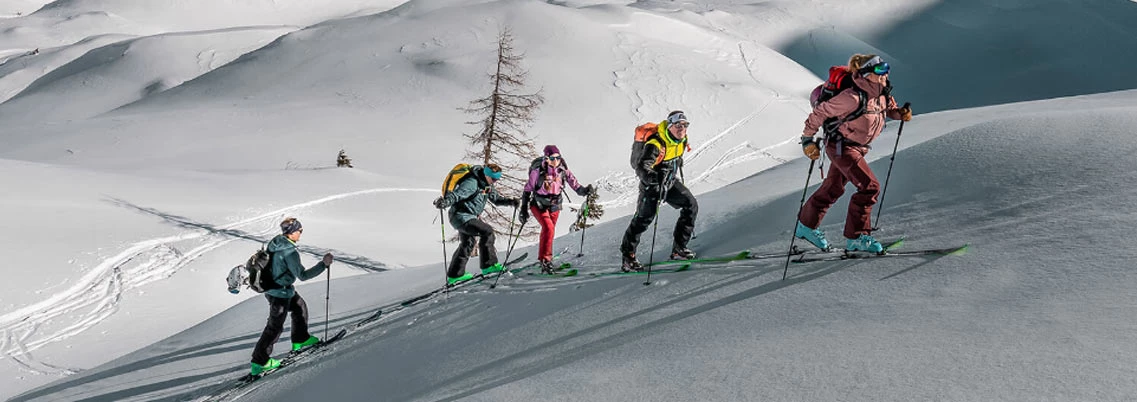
point(523, 216)
point(584, 191)
point(441, 203)
point(513, 202)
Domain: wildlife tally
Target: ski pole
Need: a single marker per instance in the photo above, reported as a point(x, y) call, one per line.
point(327, 302)
point(793, 236)
point(651, 255)
point(880, 205)
point(445, 263)
point(584, 226)
point(510, 249)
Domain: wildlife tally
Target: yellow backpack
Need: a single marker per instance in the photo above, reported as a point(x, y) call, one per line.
point(456, 175)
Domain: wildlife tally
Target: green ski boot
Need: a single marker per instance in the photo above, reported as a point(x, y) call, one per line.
point(257, 369)
point(492, 269)
point(460, 279)
point(311, 341)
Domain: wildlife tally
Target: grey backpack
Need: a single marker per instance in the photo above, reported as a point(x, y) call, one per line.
point(259, 272)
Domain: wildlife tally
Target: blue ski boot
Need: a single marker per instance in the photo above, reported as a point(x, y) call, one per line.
point(814, 236)
point(864, 243)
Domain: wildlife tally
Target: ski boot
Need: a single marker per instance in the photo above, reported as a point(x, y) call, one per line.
point(311, 341)
point(547, 267)
point(257, 369)
point(460, 279)
point(682, 253)
point(631, 264)
point(864, 243)
point(492, 269)
point(814, 236)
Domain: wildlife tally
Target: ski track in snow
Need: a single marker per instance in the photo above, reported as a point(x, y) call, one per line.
point(625, 186)
point(96, 295)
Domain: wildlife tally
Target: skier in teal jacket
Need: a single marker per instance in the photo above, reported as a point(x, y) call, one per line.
point(286, 269)
point(466, 202)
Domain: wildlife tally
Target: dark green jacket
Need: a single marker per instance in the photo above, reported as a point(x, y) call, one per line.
point(286, 267)
point(468, 199)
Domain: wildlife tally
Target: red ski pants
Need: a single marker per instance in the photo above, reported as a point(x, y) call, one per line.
point(548, 222)
point(849, 167)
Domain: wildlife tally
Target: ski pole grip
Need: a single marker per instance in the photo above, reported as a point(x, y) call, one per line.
point(907, 104)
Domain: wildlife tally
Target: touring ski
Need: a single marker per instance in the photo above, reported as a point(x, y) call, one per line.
point(852, 255)
point(680, 268)
point(476, 279)
point(294, 356)
point(559, 274)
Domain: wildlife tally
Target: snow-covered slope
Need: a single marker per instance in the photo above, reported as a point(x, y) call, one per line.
point(1037, 309)
point(120, 226)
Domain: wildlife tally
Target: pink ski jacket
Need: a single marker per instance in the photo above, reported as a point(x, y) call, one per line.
point(861, 130)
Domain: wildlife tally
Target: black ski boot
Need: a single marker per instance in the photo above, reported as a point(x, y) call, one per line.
point(631, 264)
point(682, 254)
point(547, 267)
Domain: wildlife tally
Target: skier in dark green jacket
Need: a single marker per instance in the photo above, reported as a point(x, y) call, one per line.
point(466, 202)
point(286, 269)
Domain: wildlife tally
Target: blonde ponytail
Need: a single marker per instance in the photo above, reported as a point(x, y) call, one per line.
point(858, 60)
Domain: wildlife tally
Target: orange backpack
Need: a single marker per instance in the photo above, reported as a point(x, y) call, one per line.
point(644, 132)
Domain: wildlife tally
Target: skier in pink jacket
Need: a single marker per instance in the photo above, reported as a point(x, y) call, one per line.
point(857, 116)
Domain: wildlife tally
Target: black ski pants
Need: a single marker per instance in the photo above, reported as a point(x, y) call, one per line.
point(278, 310)
point(468, 234)
point(678, 196)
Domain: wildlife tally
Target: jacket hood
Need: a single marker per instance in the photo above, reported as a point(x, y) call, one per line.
point(870, 87)
point(279, 243)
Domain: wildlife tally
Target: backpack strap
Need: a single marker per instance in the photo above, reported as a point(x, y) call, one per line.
point(830, 126)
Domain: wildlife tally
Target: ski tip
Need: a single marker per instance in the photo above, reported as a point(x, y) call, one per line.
point(743, 254)
point(571, 272)
point(961, 250)
point(684, 267)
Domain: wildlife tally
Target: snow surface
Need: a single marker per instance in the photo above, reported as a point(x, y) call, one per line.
point(149, 147)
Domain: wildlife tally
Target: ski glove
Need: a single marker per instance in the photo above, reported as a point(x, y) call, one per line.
point(328, 260)
point(584, 191)
point(441, 203)
point(810, 148)
point(523, 216)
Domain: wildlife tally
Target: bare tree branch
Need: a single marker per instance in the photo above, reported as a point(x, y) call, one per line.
point(500, 137)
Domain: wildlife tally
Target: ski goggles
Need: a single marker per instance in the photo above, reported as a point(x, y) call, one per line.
point(676, 118)
point(875, 65)
point(880, 69)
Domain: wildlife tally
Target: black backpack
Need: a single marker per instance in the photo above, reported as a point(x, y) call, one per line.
point(259, 270)
point(536, 164)
point(543, 202)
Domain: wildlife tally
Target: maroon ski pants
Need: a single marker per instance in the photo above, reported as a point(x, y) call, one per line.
point(848, 167)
